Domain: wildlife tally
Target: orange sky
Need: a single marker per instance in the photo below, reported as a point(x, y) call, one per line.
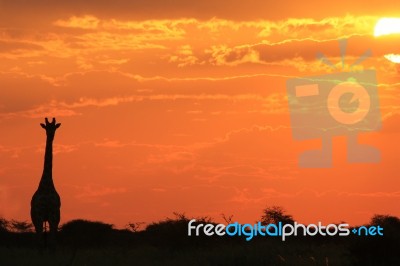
point(182, 107)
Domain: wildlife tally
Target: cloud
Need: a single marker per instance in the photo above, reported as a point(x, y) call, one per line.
point(84, 22)
point(184, 56)
point(61, 148)
point(19, 92)
point(259, 41)
point(378, 194)
point(159, 189)
point(16, 47)
point(47, 110)
point(223, 55)
point(327, 28)
point(95, 191)
point(250, 196)
point(63, 109)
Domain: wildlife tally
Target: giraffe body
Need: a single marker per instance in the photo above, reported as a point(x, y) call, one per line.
point(46, 203)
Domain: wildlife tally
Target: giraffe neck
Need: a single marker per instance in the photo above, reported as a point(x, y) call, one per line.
point(46, 182)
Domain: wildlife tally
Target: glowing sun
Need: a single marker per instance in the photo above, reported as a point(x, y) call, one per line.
point(388, 26)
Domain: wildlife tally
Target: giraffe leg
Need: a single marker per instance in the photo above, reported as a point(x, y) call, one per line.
point(52, 238)
point(53, 226)
point(39, 235)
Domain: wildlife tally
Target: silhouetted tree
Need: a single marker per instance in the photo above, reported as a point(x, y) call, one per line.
point(390, 225)
point(21, 226)
point(274, 215)
point(134, 227)
point(4, 225)
point(227, 219)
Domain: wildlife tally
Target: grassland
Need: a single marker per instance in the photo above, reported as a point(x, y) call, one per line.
point(166, 242)
point(266, 253)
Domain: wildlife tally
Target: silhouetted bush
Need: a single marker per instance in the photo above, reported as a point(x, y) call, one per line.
point(85, 233)
point(15, 233)
point(21, 226)
point(4, 225)
point(173, 232)
point(378, 250)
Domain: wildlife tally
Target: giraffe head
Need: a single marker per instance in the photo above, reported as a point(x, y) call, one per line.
point(50, 127)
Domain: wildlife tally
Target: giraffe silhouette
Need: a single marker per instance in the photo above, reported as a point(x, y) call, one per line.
point(46, 203)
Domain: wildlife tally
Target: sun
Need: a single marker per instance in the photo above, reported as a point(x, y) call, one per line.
point(388, 26)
